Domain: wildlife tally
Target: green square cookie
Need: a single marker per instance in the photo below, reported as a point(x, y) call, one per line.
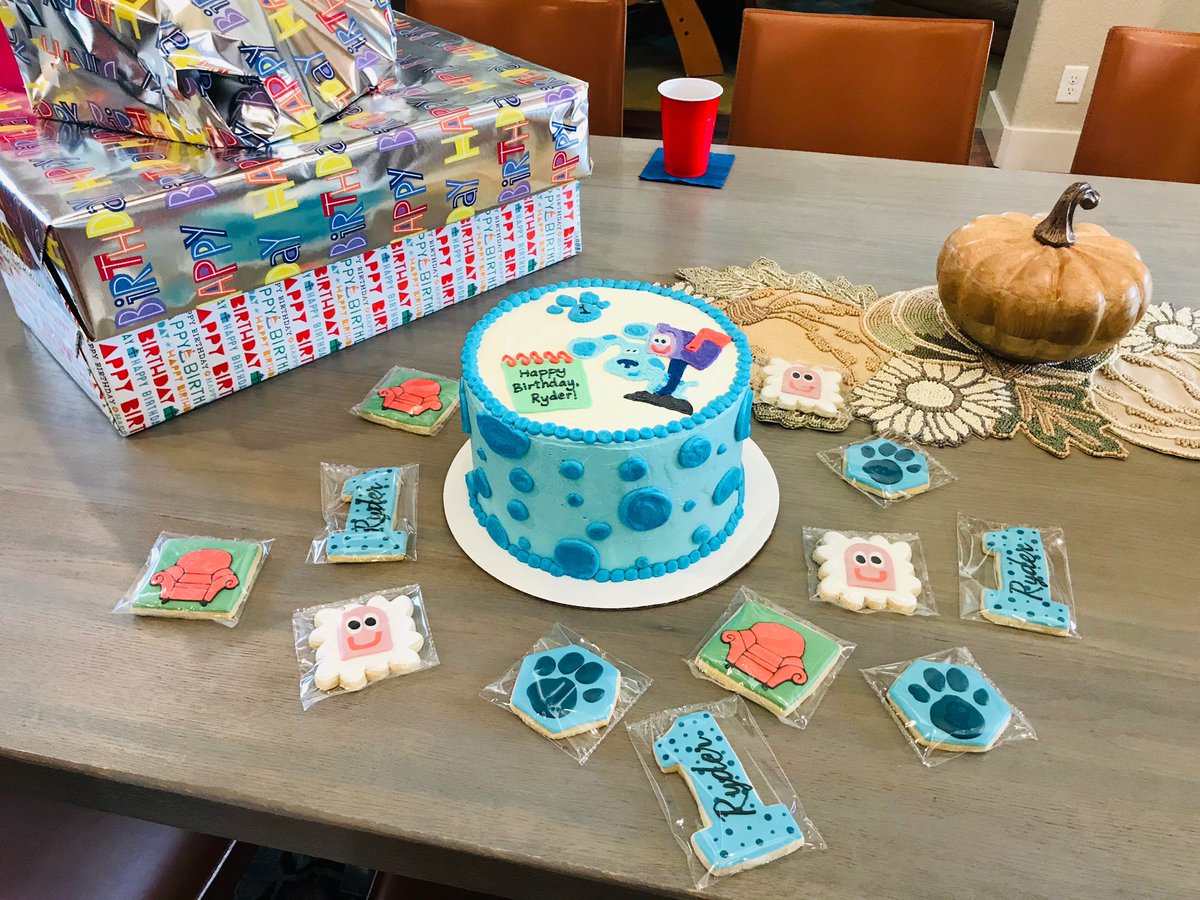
point(411, 400)
point(773, 659)
point(199, 578)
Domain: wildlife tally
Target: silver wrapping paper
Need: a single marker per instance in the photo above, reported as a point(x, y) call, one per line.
point(218, 72)
point(137, 229)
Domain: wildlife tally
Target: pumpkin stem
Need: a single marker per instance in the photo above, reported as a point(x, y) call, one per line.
point(1058, 228)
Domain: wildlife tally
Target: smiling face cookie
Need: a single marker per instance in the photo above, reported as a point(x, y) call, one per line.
point(870, 572)
point(360, 643)
point(796, 386)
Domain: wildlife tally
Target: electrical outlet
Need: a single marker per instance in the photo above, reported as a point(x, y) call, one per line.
point(1070, 89)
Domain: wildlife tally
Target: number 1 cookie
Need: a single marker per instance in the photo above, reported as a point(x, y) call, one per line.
point(872, 572)
point(1023, 598)
point(740, 831)
point(370, 534)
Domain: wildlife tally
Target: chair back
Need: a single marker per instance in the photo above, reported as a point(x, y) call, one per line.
point(581, 38)
point(860, 85)
point(1144, 116)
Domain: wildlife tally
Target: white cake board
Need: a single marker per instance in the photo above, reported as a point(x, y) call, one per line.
point(761, 510)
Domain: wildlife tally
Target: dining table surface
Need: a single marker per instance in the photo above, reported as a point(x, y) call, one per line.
point(200, 726)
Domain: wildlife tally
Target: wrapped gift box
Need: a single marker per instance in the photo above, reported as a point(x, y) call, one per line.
point(163, 276)
point(218, 72)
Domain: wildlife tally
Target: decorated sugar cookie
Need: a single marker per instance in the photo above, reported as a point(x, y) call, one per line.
point(870, 572)
point(796, 386)
point(565, 691)
point(373, 532)
point(411, 400)
point(1023, 597)
point(199, 578)
point(740, 830)
point(886, 469)
point(949, 706)
point(360, 643)
point(773, 659)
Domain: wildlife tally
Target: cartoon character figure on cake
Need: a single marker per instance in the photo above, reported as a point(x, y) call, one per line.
point(413, 397)
point(680, 349)
point(359, 643)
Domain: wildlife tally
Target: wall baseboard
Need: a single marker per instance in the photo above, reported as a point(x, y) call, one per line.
point(1040, 149)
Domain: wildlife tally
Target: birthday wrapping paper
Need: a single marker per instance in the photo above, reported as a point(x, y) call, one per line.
point(218, 72)
point(132, 230)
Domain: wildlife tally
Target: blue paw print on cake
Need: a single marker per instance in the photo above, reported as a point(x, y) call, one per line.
point(883, 467)
point(584, 308)
point(949, 706)
point(565, 691)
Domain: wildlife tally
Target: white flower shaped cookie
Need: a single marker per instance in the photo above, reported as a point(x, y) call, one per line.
point(810, 389)
point(872, 572)
point(359, 643)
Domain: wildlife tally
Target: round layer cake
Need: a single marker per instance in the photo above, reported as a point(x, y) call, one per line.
point(607, 420)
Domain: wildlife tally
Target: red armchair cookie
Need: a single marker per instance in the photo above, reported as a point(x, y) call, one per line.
point(413, 397)
point(198, 576)
point(410, 400)
point(768, 652)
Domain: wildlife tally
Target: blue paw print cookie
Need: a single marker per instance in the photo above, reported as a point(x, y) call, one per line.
point(584, 308)
point(949, 706)
point(886, 469)
point(565, 691)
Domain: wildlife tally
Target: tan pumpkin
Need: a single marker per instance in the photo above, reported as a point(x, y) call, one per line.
point(1043, 291)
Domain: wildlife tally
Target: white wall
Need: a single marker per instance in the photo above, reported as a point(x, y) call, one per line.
point(1023, 125)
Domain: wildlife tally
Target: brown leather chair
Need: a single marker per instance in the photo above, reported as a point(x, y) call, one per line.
point(582, 38)
point(1144, 116)
point(859, 85)
point(55, 851)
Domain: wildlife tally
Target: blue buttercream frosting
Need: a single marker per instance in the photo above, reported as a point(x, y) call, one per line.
point(521, 480)
point(694, 452)
point(632, 469)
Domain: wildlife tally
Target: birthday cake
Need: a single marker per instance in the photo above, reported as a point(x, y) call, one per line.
point(607, 421)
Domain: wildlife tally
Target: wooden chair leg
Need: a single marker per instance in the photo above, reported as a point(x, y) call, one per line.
point(696, 44)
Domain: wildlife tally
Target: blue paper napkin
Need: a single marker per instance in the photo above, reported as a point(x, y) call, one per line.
point(719, 165)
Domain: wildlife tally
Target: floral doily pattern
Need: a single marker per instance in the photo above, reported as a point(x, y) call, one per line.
point(918, 376)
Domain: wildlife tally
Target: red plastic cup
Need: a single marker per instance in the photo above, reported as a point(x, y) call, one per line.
point(689, 112)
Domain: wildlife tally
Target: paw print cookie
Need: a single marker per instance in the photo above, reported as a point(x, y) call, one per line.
point(587, 307)
point(796, 386)
point(870, 572)
point(885, 469)
point(949, 706)
point(360, 643)
point(565, 691)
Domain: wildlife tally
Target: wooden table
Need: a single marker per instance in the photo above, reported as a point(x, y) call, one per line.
point(201, 726)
